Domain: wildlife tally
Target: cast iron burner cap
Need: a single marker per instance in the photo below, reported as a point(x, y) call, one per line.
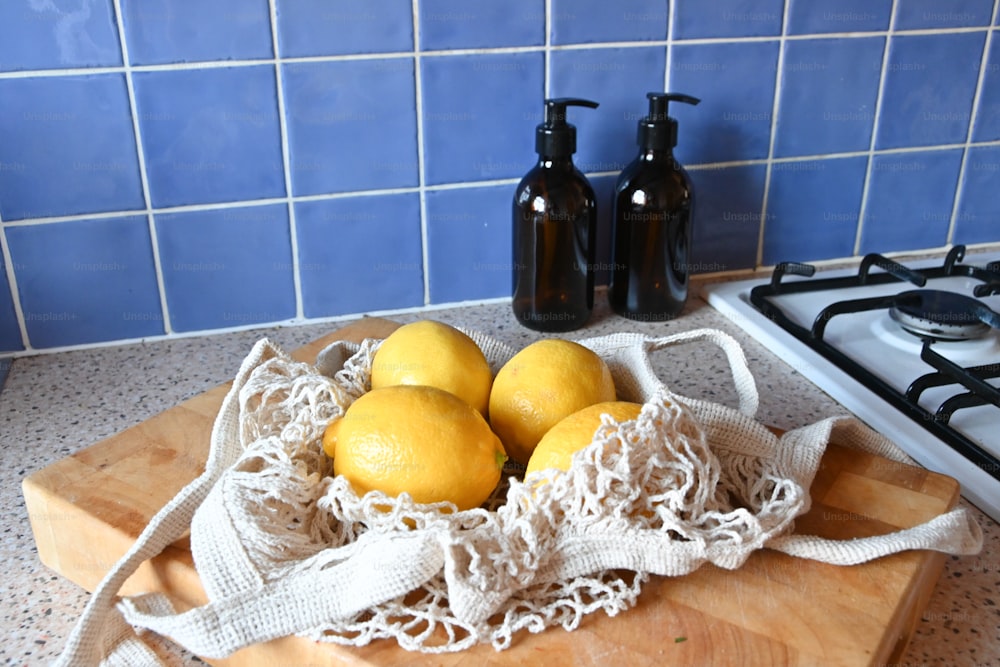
point(942, 315)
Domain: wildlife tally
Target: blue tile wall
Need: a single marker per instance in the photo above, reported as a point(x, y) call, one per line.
point(607, 76)
point(727, 18)
point(210, 135)
point(10, 333)
point(43, 35)
point(911, 201)
point(68, 147)
point(593, 21)
point(730, 242)
point(930, 14)
point(193, 166)
point(333, 109)
point(359, 254)
point(827, 193)
point(987, 125)
point(466, 100)
point(213, 282)
point(86, 281)
point(979, 205)
point(829, 89)
point(457, 24)
point(733, 120)
point(807, 17)
point(178, 31)
point(322, 28)
point(930, 84)
point(469, 243)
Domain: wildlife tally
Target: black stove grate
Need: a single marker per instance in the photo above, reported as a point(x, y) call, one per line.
point(971, 383)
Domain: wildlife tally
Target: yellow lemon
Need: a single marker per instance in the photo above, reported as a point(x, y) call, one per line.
point(432, 353)
point(416, 439)
point(573, 433)
point(540, 385)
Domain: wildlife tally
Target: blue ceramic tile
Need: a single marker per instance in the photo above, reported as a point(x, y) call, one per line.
point(929, 86)
point(480, 113)
point(10, 333)
point(210, 135)
point(469, 243)
point(67, 147)
point(43, 35)
point(694, 19)
point(920, 14)
point(352, 125)
point(735, 82)
point(226, 267)
point(618, 79)
point(726, 223)
point(86, 281)
point(910, 197)
point(178, 31)
point(359, 254)
point(828, 93)
point(813, 209)
point(456, 24)
point(324, 28)
point(808, 16)
point(987, 125)
point(580, 21)
point(979, 206)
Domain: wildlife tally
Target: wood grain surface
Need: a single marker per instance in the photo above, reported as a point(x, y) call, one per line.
point(86, 510)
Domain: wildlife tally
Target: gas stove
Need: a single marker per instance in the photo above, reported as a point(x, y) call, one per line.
point(911, 349)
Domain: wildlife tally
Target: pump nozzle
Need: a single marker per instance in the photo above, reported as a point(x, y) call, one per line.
point(658, 131)
point(555, 137)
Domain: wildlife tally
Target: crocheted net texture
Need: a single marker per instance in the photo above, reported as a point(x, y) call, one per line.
point(647, 496)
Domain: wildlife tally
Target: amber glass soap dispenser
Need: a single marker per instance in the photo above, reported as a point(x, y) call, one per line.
point(555, 230)
point(652, 222)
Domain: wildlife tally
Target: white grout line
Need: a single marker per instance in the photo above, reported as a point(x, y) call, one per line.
point(143, 179)
point(418, 94)
point(669, 55)
point(464, 185)
point(15, 297)
point(863, 210)
point(775, 104)
point(286, 160)
point(422, 188)
point(430, 308)
point(960, 183)
point(292, 322)
point(12, 285)
point(844, 262)
point(211, 64)
point(547, 73)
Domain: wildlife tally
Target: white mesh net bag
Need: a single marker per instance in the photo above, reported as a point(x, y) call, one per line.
point(284, 548)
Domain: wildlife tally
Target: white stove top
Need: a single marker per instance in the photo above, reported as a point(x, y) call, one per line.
point(873, 340)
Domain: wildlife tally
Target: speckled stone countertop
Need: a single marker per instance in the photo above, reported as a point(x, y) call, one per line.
point(55, 404)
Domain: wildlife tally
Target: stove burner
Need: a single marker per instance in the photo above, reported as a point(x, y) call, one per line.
point(942, 315)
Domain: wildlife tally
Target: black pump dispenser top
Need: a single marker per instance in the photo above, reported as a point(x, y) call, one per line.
point(555, 137)
point(658, 131)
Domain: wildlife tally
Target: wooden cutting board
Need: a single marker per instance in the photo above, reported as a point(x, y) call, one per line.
point(87, 510)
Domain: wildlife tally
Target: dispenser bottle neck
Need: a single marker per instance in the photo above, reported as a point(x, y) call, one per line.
point(555, 139)
point(658, 131)
point(656, 155)
point(556, 162)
